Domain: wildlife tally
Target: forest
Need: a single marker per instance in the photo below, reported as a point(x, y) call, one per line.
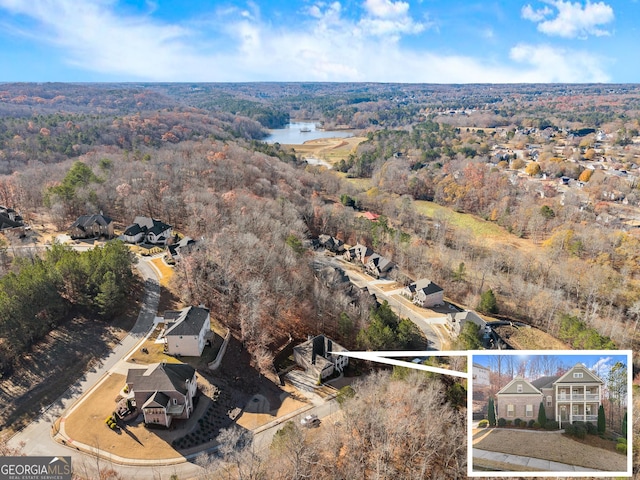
point(458, 205)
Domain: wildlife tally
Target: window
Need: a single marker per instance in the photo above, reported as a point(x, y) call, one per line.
point(519, 388)
point(529, 411)
point(510, 410)
point(577, 374)
point(587, 410)
point(548, 400)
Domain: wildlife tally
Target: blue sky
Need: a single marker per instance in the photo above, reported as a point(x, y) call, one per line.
point(600, 363)
point(417, 41)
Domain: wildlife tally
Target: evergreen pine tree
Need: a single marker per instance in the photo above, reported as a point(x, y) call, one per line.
point(602, 426)
point(491, 413)
point(542, 415)
point(488, 303)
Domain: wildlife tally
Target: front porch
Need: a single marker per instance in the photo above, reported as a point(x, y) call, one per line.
point(581, 412)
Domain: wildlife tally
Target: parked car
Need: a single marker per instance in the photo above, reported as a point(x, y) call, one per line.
point(310, 421)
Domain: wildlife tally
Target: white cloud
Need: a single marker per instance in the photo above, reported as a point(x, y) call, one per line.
point(528, 13)
point(553, 64)
point(573, 19)
point(323, 46)
point(389, 18)
point(386, 8)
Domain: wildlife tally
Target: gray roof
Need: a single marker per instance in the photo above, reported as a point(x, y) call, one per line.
point(146, 224)
point(545, 382)
point(158, 399)
point(426, 285)
point(9, 218)
point(87, 221)
point(189, 322)
point(161, 377)
point(133, 230)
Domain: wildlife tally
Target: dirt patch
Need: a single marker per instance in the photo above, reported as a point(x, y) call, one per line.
point(331, 150)
point(529, 338)
point(387, 287)
point(259, 411)
point(548, 446)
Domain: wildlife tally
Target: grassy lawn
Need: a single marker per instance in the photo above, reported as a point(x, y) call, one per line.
point(156, 352)
point(86, 425)
point(548, 446)
point(166, 272)
point(467, 221)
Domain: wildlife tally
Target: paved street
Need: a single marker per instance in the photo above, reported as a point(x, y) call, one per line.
point(36, 436)
point(403, 307)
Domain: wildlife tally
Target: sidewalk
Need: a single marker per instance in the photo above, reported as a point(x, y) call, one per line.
point(536, 463)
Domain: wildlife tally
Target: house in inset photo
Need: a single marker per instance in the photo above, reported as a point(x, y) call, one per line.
point(550, 411)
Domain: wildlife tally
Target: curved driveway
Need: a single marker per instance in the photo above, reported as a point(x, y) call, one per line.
point(36, 437)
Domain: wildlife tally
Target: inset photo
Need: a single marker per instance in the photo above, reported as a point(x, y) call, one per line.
point(548, 413)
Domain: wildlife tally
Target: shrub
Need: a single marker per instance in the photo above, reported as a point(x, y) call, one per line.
point(536, 425)
point(542, 415)
point(531, 423)
point(502, 422)
point(621, 448)
point(570, 429)
point(517, 422)
point(591, 428)
point(581, 431)
point(551, 425)
point(509, 423)
point(491, 413)
point(602, 424)
point(483, 423)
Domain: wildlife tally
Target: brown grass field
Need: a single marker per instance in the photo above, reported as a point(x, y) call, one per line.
point(331, 150)
point(548, 446)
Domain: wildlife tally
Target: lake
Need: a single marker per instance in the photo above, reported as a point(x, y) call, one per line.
point(295, 134)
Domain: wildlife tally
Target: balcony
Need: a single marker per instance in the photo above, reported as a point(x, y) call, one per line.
point(578, 397)
point(584, 418)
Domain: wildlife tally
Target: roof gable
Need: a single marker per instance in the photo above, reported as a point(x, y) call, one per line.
point(587, 375)
point(162, 377)
point(190, 321)
point(511, 388)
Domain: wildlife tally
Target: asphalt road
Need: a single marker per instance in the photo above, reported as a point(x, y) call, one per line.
point(36, 439)
point(362, 280)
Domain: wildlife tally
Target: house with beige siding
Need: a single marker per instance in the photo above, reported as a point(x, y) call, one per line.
point(163, 391)
point(518, 399)
point(574, 396)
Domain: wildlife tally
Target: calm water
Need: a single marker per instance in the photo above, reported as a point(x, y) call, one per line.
point(291, 135)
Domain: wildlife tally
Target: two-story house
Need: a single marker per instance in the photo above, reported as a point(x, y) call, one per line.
point(574, 396)
point(186, 331)
point(424, 293)
point(163, 391)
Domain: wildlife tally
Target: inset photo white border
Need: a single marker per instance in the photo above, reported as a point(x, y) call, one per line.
point(548, 366)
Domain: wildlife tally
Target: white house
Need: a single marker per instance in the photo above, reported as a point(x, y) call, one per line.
point(186, 331)
point(424, 293)
point(456, 321)
point(149, 230)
